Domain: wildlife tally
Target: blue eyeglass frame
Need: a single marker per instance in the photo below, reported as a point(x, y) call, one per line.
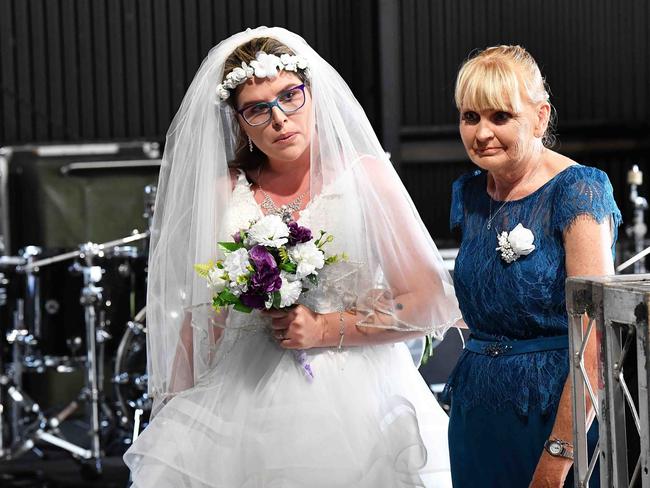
point(274, 103)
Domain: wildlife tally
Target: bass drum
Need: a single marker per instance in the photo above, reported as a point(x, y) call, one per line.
point(130, 376)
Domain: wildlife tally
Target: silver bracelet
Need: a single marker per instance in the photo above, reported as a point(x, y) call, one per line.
point(341, 329)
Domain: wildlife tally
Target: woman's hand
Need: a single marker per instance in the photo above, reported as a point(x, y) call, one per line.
point(550, 472)
point(297, 327)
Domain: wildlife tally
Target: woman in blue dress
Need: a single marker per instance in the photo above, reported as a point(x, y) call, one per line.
point(529, 218)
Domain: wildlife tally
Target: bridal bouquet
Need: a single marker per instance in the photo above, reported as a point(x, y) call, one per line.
point(268, 266)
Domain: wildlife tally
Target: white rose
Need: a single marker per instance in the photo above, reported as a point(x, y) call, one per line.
point(269, 231)
point(289, 62)
point(301, 62)
point(289, 291)
point(222, 92)
point(239, 74)
point(308, 258)
point(247, 69)
point(216, 280)
point(521, 240)
point(266, 65)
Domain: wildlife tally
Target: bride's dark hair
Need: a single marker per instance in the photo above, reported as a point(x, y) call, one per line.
point(244, 158)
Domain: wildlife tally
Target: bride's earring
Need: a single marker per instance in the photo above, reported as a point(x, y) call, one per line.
point(250, 144)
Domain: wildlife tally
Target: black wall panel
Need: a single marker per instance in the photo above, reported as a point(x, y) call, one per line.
point(96, 70)
point(91, 70)
point(593, 53)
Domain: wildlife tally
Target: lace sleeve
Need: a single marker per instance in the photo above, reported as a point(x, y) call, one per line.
point(585, 192)
point(457, 214)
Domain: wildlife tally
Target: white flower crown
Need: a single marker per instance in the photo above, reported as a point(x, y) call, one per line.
point(263, 66)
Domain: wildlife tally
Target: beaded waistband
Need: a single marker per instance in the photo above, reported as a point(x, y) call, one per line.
point(511, 348)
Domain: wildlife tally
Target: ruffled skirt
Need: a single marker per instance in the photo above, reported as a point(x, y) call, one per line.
point(366, 420)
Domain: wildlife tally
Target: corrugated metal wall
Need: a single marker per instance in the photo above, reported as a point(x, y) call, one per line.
point(79, 70)
point(593, 53)
point(73, 70)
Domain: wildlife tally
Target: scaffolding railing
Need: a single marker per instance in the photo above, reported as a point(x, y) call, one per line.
point(615, 309)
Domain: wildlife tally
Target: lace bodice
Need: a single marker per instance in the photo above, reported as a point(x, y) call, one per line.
point(524, 299)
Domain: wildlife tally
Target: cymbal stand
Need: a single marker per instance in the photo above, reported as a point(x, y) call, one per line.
point(46, 429)
point(32, 308)
point(21, 404)
point(91, 297)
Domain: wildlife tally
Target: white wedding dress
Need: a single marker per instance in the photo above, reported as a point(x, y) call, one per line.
point(367, 419)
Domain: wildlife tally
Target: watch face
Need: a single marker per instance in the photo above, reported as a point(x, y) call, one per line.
point(555, 448)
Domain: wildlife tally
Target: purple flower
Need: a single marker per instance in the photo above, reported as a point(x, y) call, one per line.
point(237, 237)
point(252, 300)
point(298, 234)
point(266, 278)
point(261, 257)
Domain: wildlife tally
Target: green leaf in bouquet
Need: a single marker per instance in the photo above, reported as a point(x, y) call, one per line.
point(317, 241)
point(240, 307)
point(216, 304)
point(230, 246)
point(428, 349)
point(313, 279)
point(324, 239)
point(276, 299)
point(227, 297)
point(289, 267)
point(204, 269)
point(336, 258)
point(284, 255)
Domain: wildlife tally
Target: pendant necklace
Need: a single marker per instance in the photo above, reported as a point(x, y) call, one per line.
point(491, 217)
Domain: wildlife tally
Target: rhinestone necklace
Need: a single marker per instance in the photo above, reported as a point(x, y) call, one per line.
point(284, 211)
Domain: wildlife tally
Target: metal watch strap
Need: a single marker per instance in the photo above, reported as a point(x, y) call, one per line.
point(565, 448)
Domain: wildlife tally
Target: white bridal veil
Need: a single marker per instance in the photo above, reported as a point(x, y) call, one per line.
point(397, 278)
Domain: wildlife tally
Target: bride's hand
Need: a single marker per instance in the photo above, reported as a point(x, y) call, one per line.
point(298, 327)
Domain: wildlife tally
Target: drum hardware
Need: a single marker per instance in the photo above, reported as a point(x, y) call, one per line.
point(32, 290)
point(92, 248)
point(136, 422)
point(42, 428)
point(11, 261)
point(150, 192)
point(3, 290)
point(151, 149)
point(11, 380)
point(21, 418)
point(130, 376)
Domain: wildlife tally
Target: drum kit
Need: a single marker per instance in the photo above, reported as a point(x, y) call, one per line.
point(74, 312)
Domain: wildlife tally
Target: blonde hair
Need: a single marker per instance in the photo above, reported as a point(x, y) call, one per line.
point(496, 78)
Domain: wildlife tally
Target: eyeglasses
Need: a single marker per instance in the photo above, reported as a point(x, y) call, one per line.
point(288, 101)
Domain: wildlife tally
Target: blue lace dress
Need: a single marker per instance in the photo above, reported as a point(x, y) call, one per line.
point(506, 387)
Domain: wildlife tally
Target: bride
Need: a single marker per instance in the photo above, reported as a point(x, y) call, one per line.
point(268, 127)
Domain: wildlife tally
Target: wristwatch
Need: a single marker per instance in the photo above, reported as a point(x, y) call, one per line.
point(559, 448)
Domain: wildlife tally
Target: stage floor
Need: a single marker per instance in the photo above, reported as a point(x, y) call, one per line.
point(59, 470)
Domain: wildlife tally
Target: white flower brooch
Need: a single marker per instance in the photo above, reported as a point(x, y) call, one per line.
point(516, 243)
